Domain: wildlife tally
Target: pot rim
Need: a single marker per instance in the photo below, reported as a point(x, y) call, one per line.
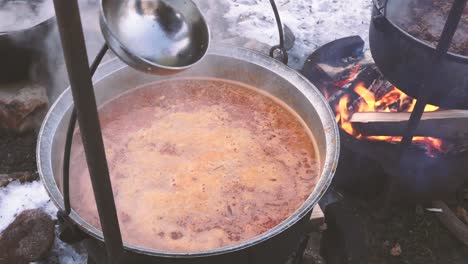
point(308, 90)
point(421, 43)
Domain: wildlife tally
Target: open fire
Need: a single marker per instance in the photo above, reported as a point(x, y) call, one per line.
point(372, 98)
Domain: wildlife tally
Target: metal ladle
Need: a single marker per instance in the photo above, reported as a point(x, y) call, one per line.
point(155, 36)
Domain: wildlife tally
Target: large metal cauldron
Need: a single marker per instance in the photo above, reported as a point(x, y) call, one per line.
point(225, 62)
point(404, 60)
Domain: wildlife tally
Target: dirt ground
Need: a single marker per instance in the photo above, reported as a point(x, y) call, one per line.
point(422, 238)
point(410, 235)
point(17, 153)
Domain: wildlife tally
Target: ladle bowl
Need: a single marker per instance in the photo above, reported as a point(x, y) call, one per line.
point(155, 36)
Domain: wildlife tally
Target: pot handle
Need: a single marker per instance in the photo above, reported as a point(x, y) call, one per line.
point(380, 20)
point(381, 6)
point(279, 52)
point(63, 214)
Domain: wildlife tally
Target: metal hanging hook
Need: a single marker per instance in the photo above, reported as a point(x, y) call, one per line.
point(279, 52)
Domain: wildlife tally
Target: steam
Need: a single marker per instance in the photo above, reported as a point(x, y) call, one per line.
point(19, 20)
point(48, 67)
point(52, 60)
point(18, 15)
point(427, 18)
point(402, 12)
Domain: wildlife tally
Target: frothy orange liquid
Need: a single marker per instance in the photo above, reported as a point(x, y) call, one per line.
point(199, 164)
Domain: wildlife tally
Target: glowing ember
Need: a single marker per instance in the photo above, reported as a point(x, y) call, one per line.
point(393, 101)
point(352, 75)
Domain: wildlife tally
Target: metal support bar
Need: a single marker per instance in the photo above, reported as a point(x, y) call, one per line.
point(425, 90)
point(71, 34)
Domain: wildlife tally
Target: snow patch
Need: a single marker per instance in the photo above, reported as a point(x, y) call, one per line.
point(314, 23)
point(17, 197)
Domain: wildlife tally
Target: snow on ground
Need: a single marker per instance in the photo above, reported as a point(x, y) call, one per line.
point(17, 197)
point(314, 23)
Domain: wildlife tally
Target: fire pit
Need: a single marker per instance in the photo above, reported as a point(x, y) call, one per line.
point(433, 166)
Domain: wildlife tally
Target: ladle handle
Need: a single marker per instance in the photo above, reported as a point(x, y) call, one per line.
point(279, 52)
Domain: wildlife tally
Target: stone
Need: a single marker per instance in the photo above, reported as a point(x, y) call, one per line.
point(25, 176)
point(396, 250)
point(28, 238)
point(23, 106)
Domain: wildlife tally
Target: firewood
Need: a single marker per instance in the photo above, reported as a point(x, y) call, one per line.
point(441, 124)
point(451, 221)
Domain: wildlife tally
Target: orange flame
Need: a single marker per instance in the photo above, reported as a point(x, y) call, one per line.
point(367, 96)
point(370, 104)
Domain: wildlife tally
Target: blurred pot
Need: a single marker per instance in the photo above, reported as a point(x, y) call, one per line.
point(19, 48)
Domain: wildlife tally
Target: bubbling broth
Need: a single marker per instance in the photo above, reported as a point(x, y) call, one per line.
point(198, 164)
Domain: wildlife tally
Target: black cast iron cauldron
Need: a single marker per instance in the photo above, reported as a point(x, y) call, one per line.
point(404, 60)
point(224, 62)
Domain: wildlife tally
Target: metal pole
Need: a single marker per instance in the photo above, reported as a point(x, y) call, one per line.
point(425, 90)
point(71, 34)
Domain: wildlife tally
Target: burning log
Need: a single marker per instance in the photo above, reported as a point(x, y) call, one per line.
point(449, 124)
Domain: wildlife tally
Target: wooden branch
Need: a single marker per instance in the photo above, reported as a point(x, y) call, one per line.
point(451, 221)
point(317, 217)
point(441, 124)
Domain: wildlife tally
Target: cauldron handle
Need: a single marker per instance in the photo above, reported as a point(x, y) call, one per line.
point(70, 233)
point(279, 52)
